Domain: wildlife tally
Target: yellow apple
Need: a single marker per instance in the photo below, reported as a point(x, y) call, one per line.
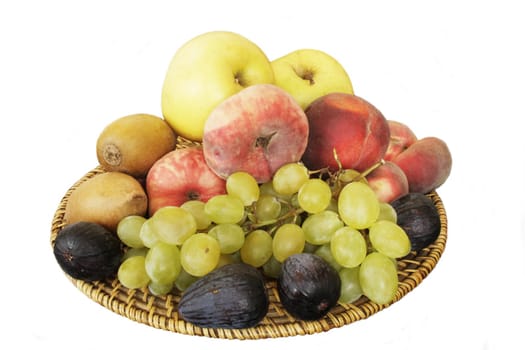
point(308, 74)
point(204, 72)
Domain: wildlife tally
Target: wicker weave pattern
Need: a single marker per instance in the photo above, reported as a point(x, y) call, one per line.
point(161, 312)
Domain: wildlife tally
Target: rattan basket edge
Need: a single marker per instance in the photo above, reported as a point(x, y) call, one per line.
point(161, 312)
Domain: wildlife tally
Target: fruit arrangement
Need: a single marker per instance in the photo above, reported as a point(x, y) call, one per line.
point(261, 180)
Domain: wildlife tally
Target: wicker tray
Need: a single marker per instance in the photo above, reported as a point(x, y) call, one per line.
point(161, 312)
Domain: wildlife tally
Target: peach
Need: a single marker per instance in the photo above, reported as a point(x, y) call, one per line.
point(426, 163)
point(179, 176)
point(388, 181)
point(257, 130)
point(349, 126)
point(401, 137)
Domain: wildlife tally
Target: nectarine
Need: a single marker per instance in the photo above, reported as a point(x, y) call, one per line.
point(388, 181)
point(401, 137)
point(426, 163)
point(349, 125)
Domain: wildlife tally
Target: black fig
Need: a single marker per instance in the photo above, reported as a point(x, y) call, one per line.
point(88, 251)
point(308, 286)
point(419, 217)
point(232, 296)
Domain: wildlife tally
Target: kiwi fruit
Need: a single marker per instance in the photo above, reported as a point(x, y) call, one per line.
point(131, 144)
point(106, 199)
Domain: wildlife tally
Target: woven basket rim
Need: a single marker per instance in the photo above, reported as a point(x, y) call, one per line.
point(161, 312)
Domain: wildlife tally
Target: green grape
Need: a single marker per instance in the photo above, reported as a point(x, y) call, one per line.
point(272, 268)
point(267, 208)
point(196, 208)
point(244, 218)
point(132, 273)
point(348, 247)
point(309, 247)
point(158, 289)
point(200, 254)
point(267, 188)
point(324, 252)
point(286, 216)
point(350, 287)
point(351, 175)
point(147, 234)
point(173, 225)
point(358, 205)
point(289, 178)
point(257, 248)
point(333, 205)
point(134, 252)
point(163, 263)
point(243, 185)
point(389, 238)
point(387, 212)
point(294, 200)
point(184, 280)
point(319, 228)
point(128, 230)
point(224, 209)
point(378, 278)
point(287, 240)
point(229, 236)
point(236, 256)
point(314, 196)
point(225, 259)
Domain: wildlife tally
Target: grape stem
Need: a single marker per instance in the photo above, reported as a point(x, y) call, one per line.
point(339, 184)
point(253, 224)
point(365, 173)
point(362, 174)
point(294, 212)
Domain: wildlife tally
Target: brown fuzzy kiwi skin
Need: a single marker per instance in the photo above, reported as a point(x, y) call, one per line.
point(131, 144)
point(106, 199)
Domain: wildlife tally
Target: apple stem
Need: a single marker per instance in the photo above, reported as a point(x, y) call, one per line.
point(238, 78)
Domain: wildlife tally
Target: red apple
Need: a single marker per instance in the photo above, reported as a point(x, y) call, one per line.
point(401, 137)
point(349, 125)
point(179, 176)
point(257, 130)
point(388, 181)
point(426, 163)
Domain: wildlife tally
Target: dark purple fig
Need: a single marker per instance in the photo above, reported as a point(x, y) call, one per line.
point(232, 296)
point(419, 217)
point(308, 286)
point(88, 251)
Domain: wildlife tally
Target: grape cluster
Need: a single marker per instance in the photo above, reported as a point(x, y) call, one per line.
point(335, 215)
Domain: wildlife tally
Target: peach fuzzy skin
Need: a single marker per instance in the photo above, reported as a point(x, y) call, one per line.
point(388, 181)
point(348, 124)
point(257, 130)
point(401, 137)
point(180, 176)
point(426, 163)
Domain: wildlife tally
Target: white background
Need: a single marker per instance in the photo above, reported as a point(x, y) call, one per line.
point(454, 69)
